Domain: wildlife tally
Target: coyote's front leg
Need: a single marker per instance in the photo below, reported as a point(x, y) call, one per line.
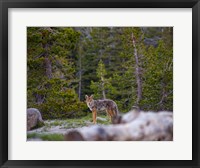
point(94, 115)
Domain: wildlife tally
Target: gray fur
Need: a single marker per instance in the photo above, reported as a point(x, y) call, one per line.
point(104, 104)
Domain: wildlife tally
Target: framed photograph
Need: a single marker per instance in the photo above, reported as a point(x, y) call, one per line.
point(104, 83)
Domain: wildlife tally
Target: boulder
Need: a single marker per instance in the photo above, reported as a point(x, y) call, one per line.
point(34, 118)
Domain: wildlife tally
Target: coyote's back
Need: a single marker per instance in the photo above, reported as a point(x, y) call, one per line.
point(107, 105)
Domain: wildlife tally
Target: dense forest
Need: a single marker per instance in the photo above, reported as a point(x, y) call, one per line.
point(131, 65)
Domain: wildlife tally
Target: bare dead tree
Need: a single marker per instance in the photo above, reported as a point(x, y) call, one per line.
point(80, 73)
point(103, 87)
point(137, 71)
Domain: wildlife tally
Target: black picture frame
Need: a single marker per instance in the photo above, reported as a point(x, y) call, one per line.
point(4, 97)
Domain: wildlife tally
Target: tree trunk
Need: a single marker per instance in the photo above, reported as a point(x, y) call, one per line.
point(137, 72)
point(39, 98)
point(103, 88)
point(47, 62)
point(48, 67)
point(80, 75)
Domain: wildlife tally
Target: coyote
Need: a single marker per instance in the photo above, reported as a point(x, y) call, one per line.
point(99, 105)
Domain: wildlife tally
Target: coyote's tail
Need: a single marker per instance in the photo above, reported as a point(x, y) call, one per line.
point(117, 117)
point(116, 110)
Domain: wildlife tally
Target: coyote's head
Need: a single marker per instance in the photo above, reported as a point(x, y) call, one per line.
point(88, 98)
point(89, 101)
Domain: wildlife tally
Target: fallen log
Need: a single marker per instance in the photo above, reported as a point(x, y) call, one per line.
point(134, 126)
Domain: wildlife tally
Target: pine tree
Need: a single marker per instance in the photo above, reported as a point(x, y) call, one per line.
point(51, 71)
point(158, 75)
point(103, 87)
point(130, 65)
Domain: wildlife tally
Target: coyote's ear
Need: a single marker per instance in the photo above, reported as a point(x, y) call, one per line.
point(91, 96)
point(86, 96)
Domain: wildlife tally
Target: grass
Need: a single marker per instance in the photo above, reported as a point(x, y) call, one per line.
point(46, 137)
point(76, 122)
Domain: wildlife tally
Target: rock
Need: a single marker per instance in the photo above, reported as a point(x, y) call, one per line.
point(34, 118)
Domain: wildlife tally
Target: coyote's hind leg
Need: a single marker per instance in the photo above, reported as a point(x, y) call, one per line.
point(110, 115)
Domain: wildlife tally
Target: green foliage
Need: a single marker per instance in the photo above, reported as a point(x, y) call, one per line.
point(158, 77)
point(65, 64)
point(155, 63)
point(51, 72)
point(103, 84)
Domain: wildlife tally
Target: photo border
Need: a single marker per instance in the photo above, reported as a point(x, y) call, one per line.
point(6, 4)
